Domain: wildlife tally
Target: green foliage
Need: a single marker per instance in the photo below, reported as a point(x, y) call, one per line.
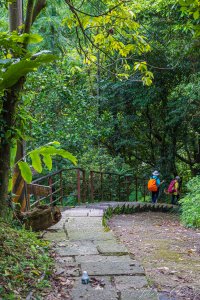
point(70, 201)
point(45, 154)
point(20, 69)
point(24, 261)
point(191, 204)
point(191, 9)
point(111, 124)
point(112, 30)
point(25, 171)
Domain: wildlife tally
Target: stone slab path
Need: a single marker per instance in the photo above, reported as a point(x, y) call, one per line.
point(82, 244)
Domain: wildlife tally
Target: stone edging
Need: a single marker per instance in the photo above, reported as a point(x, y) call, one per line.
point(130, 208)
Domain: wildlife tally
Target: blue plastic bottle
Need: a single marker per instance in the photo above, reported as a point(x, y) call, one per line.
point(85, 278)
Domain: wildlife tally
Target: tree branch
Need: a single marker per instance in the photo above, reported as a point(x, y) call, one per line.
point(83, 31)
point(99, 15)
point(39, 6)
point(29, 16)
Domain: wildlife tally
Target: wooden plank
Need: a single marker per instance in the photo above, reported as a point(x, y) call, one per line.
point(38, 190)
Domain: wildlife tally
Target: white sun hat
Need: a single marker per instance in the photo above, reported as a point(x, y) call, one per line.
point(155, 173)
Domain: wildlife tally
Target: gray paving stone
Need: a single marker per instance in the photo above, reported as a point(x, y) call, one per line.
point(109, 266)
point(106, 259)
point(92, 235)
point(130, 282)
point(94, 292)
point(83, 221)
point(87, 212)
point(77, 248)
point(69, 270)
point(147, 294)
point(111, 247)
point(67, 260)
point(55, 236)
point(84, 228)
point(83, 244)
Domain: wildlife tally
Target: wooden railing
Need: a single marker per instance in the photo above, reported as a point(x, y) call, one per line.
point(82, 186)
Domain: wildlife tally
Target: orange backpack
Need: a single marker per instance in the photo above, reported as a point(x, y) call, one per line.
point(152, 187)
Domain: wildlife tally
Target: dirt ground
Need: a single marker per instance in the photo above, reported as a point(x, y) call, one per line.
point(169, 252)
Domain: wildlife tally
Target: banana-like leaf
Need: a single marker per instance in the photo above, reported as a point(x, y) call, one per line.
point(51, 150)
point(30, 38)
point(25, 171)
point(47, 161)
point(66, 154)
point(41, 53)
point(45, 58)
point(19, 69)
point(36, 160)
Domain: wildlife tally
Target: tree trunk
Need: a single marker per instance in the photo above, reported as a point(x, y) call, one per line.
point(11, 98)
point(7, 117)
point(15, 15)
point(4, 176)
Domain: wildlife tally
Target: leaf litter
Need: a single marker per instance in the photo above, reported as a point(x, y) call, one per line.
point(169, 252)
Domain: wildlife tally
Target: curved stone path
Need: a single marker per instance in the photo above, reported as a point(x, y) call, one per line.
point(82, 244)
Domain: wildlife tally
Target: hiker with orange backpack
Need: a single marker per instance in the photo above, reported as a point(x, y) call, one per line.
point(153, 186)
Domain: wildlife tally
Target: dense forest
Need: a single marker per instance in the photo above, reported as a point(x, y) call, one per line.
point(116, 83)
point(106, 85)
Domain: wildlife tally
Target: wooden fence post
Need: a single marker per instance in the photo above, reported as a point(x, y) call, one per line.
point(136, 188)
point(119, 190)
point(110, 182)
point(92, 185)
point(101, 180)
point(84, 186)
point(61, 188)
point(127, 188)
point(78, 186)
point(50, 185)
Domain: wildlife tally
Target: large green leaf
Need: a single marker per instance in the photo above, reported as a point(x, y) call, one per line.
point(36, 161)
point(48, 161)
point(25, 171)
point(28, 38)
point(51, 150)
point(19, 69)
point(44, 56)
point(66, 154)
point(16, 71)
point(47, 150)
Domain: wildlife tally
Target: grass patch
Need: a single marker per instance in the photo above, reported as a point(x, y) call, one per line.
point(25, 262)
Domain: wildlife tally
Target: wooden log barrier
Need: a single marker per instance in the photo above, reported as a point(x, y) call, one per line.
point(41, 217)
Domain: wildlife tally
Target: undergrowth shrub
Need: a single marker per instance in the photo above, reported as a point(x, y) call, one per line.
point(25, 262)
point(191, 204)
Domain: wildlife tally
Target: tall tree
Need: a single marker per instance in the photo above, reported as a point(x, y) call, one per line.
point(115, 20)
point(11, 97)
